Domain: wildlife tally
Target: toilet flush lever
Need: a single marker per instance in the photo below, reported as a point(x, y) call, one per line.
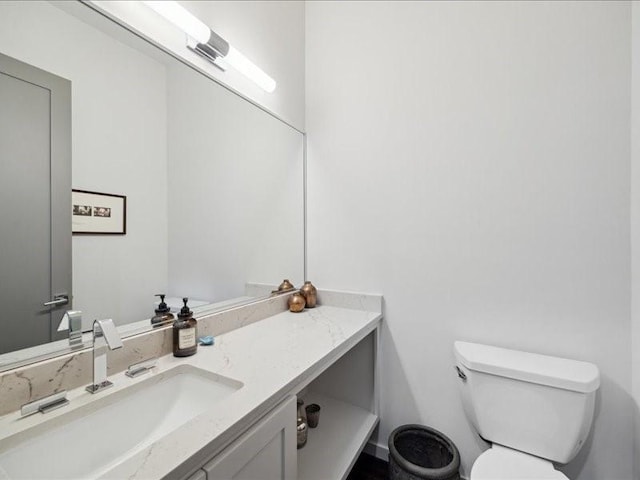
point(461, 373)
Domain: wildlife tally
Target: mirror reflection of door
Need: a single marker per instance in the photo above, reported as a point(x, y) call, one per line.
point(35, 203)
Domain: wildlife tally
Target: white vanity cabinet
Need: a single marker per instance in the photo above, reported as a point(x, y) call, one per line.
point(347, 394)
point(266, 451)
point(344, 384)
point(199, 475)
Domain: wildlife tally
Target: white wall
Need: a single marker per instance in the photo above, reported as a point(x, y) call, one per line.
point(271, 34)
point(635, 226)
point(235, 192)
point(470, 161)
point(118, 146)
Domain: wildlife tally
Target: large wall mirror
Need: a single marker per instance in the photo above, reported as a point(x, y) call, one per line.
point(213, 184)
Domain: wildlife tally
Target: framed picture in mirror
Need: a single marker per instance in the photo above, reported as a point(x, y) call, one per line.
point(95, 213)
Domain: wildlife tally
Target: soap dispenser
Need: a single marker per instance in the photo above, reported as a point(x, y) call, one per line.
point(184, 333)
point(163, 312)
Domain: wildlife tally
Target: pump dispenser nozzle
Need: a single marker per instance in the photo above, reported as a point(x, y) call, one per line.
point(163, 312)
point(184, 311)
point(162, 308)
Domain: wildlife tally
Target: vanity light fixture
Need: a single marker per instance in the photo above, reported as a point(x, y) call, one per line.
point(207, 43)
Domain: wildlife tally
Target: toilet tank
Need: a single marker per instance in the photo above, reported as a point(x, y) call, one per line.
point(537, 404)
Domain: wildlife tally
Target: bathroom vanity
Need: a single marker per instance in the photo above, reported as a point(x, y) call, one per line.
point(252, 375)
point(230, 410)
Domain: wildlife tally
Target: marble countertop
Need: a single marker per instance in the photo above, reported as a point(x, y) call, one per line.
point(273, 358)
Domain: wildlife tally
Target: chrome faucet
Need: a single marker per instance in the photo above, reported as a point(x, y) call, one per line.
point(74, 320)
point(105, 337)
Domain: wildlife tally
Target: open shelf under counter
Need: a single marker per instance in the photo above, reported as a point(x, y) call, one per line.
point(334, 445)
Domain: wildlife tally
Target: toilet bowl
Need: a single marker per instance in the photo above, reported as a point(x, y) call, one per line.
point(501, 463)
point(535, 410)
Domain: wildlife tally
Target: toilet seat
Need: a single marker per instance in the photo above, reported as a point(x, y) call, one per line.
point(501, 463)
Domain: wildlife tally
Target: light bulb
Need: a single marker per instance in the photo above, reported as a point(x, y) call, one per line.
point(182, 18)
point(241, 63)
point(201, 33)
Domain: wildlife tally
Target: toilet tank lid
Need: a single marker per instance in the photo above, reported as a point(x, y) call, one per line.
point(555, 372)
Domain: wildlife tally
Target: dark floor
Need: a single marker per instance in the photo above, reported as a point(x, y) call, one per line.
point(368, 467)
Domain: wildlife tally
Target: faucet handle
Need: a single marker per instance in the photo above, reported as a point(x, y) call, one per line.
point(107, 329)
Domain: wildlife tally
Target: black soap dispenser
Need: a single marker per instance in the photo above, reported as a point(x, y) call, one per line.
point(185, 333)
point(163, 313)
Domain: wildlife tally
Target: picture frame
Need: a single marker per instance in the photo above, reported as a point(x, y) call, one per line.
point(96, 213)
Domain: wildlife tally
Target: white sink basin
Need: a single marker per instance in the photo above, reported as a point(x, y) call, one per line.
point(91, 440)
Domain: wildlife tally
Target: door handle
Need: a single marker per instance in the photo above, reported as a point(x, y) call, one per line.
point(60, 299)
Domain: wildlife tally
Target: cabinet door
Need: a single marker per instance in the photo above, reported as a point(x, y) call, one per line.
point(199, 475)
point(266, 452)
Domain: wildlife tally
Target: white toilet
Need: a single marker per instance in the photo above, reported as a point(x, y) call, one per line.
point(534, 409)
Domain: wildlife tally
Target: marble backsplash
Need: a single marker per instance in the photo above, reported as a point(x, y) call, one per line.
point(31, 382)
point(37, 380)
